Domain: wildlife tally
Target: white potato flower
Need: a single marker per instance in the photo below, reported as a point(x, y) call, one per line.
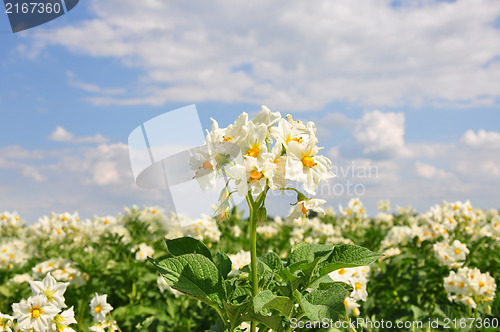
point(35, 313)
point(53, 290)
point(239, 260)
point(303, 164)
point(302, 208)
point(99, 308)
point(62, 321)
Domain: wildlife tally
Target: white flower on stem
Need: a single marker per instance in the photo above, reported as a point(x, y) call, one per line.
point(304, 165)
point(351, 306)
point(202, 163)
point(62, 321)
point(278, 181)
point(6, 323)
point(293, 131)
point(234, 133)
point(143, 252)
point(107, 325)
point(99, 308)
point(35, 313)
point(239, 260)
point(302, 208)
point(254, 145)
point(257, 173)
point(53, 290)
point(266, 117)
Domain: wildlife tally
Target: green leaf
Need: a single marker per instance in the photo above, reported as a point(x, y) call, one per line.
point(267, 299)
point(187, 245)
point(309, 253)
point(236, 313)
point(272, 260)
point(347, 255)
point(324, 303)
point(223, 263)
point(264, 272)
point(217, 327)
point(195, 275)
point(274, 322)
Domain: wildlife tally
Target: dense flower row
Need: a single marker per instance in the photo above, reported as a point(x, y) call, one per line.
point(450, 228)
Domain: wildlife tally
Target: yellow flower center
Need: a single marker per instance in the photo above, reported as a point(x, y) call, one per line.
point(304, 209)
point(349, 212)
point(357, 286)
point(97, 309)
point(227, 139)
point(481, 284)
point(64, 218)
point(207, 165)
point(106, 221)
point(308, 162)
point(451, 283)
point(36, 312)
point(4, 217)
point(457, 251)
point(342, 271)
point(154, 211)
point(253, 152)
point(256, 175)
point(455, 207)
point(461, 285)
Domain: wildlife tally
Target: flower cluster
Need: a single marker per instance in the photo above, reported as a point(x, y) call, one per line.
point(10, 224)
point(452, 255)
point(61, 270)
point(13, 252)
point(469, 286)
point(244, 152)
point(42, 310)
point(142, 251)
point(357, 277)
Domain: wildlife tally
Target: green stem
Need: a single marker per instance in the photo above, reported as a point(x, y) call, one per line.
point(253, 250)
point(350, 325)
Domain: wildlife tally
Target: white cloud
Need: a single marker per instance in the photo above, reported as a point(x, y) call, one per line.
point(75, 82)
point(428, 171)
point(483, 139)
point(62, 135)
point(380, 132)
point(294, 55)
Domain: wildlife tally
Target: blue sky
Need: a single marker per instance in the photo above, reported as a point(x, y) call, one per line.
point(411, 88)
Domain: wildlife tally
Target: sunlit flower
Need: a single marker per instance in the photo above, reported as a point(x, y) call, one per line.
point(99, 308)
point(305, 165)
point(53, 290)
point(62, 321)
point(303, 207)
point(35, 313)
